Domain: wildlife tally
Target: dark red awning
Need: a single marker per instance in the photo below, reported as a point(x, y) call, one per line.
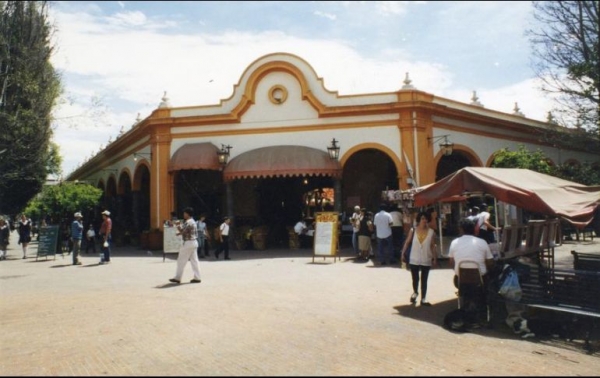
point(282, 161)
point(195, 156)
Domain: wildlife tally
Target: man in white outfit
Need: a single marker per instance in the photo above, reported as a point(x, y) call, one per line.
point(187, 251)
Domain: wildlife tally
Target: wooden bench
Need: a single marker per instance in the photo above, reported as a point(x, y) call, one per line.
point(586, 261)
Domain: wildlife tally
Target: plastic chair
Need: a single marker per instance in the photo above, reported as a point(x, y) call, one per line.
point(471, 288)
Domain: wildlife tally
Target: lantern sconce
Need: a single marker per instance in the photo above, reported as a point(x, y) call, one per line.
point(446, 146)
point(223, 154)
point(334, 150)
point(137, 155)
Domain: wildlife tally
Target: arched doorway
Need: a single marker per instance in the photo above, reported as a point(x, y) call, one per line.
point(366, 174)
point(200, 189)
point(141, 198)
point(123, 224)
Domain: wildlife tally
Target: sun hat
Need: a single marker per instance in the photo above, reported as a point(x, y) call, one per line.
point(78, 215)
point(106, 212)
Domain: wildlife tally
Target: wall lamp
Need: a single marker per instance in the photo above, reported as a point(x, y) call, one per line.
point(445, 146)
point(223, 154)
point(334, 150)
point(142, 155)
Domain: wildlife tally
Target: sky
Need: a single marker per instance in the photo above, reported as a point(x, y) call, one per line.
point(117, 58)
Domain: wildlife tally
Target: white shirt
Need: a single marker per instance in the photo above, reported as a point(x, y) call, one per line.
point(382, 222)
point(482, 217)
point(299, 227)
point(397, 218)
point(421, 253)
point(469, 247)
point(355, 221)
point(224, 229)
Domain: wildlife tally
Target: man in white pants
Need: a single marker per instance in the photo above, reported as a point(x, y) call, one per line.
point(187, 251)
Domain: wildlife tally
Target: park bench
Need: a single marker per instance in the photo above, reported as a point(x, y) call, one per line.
point(570, 296)
point(586, 261)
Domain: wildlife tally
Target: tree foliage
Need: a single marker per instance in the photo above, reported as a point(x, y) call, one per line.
point(566, 58)
point(61, 201)
point(537, 161)
point(522, 158)
point(29, 87)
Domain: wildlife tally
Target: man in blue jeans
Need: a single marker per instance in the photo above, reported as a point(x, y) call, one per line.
point(76, 235)
point(383, 227)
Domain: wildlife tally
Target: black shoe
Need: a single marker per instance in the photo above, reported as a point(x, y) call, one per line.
point(174, 280)
point(227, 258)
point(423, 303)
point(195, 281)
point(413, 298)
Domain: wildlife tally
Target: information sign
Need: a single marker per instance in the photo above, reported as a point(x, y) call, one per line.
point(326, 235)
point(48, 241)
point(171, 241)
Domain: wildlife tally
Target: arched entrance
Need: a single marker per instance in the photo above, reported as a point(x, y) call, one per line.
point(366, 174)
point(202, 190)
point(141, 198)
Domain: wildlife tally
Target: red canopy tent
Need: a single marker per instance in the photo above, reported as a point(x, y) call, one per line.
point(529, 190)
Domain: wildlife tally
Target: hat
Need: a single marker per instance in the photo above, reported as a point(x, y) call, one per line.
point(78, 215)
point(106, 212)
point(356, 207)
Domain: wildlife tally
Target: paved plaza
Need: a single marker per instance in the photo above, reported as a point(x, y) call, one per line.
point(272, 312)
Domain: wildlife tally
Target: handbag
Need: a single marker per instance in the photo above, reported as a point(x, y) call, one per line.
point(406, 254)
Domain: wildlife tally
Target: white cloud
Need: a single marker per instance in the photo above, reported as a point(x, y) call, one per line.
point(395, 8)
point(330, 16)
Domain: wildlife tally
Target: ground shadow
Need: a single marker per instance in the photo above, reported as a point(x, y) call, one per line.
point(61, 266)
point(169, 285)
point(496, 328)
point(90, 265)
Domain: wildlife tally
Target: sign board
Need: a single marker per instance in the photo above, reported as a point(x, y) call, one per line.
point(171, 241)
point(326, 235)
point(48, 241)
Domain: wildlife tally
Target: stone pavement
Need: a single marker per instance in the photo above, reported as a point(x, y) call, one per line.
point(271, 312)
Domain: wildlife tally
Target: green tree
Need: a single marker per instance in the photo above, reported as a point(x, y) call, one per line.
point(61, 201)
point(537, 161)
point(29, 88)
point(584, 174)
point(567, 59)
point(522, 158)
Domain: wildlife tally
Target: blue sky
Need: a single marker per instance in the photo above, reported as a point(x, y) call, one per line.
point(121, 56)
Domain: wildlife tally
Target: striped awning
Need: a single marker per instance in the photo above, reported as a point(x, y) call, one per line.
point(282, 161)
point(195, 156)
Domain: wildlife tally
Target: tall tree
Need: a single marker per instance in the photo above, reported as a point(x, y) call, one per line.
point(29, 87)
point(567, 60)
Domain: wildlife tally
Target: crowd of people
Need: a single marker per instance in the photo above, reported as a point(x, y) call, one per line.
point(395, 236)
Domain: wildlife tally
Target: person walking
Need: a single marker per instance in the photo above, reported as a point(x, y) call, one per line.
point(187, 252)
point(76, 236)
point(383, 228)
point(24, 233)
point(202, 236)
point(397, 233)
point(486, 229)
point(223, 239)
point(422, 254)
point(4, 238)
point(355, 222)
point(90, 238)
point(364, 235)
point(106, 237)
